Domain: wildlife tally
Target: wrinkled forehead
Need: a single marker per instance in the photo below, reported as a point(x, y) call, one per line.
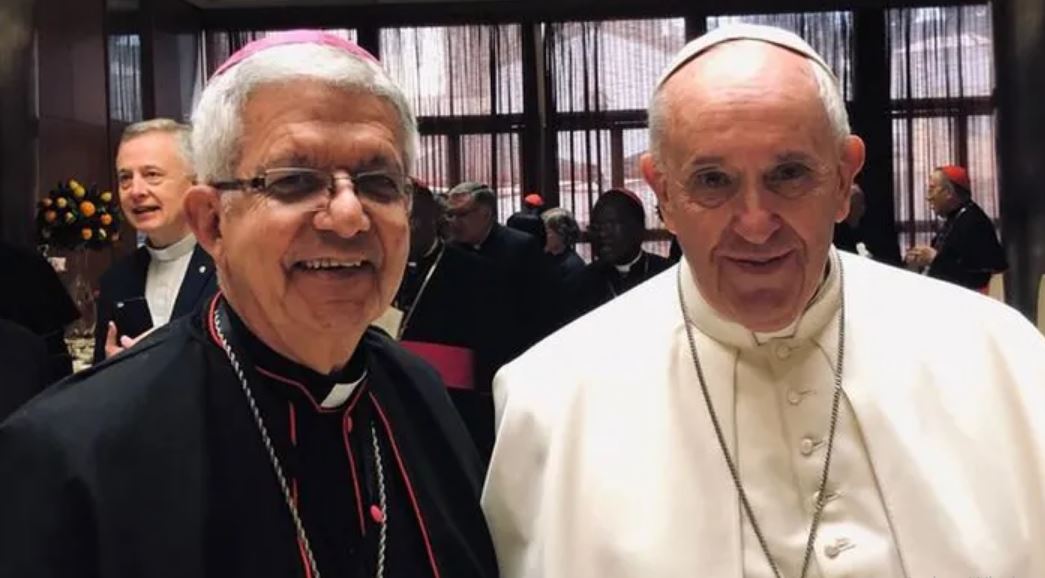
point(758, 94)
point(151, 148)
point(310, 118)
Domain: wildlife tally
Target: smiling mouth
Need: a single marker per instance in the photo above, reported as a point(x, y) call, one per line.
point(330, 265)
point(144, 210)
point(759, 264)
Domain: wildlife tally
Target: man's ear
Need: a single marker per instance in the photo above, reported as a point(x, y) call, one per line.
point(853, 154)
point(203, 212)
point(657, 181)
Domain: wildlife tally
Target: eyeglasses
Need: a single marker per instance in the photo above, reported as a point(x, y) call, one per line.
point(294, 184)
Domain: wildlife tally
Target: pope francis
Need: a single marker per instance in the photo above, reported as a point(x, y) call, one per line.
point(770, 407)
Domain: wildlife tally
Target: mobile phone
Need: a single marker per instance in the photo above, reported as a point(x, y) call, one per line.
point(132, 317)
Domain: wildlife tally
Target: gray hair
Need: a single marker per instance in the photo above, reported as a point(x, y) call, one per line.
point(482, 194)
point(562, 222)
point(217, 122)
point(828, 90)
point(181, 132)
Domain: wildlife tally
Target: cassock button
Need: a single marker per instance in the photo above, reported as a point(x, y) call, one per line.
point(348, 424)
point(783, 351)
point(794, 397)
point(808, 445)
point(377, 514)
point(829, 496)
point(841, 545)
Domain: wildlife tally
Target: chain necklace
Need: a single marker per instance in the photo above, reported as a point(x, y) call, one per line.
point(734, 472)
point(281, 477)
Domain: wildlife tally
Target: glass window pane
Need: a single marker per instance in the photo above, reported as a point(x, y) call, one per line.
point(941, 52)
point(829, 33)
point(610, 65)
point(478, 155)
point(433, 162)
point(636, 142)
point(919, 146)
point(125, 90)
point(584, 170)
point(457, 70)
point(983, 164)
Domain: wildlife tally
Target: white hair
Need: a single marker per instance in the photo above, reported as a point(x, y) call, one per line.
point(827, 89)
point(182, 134)
point(217, 121)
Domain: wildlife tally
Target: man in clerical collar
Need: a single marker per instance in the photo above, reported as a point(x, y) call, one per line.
point(455, 305)
point(170, 274)
point(965, 251)
point(472, 215)
point(270, 433)
point(770, 406)
point(618, 226)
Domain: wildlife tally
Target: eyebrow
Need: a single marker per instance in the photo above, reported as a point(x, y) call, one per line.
point(792, 156)
point(130, 170)
point(706, 160)
point(375, 162)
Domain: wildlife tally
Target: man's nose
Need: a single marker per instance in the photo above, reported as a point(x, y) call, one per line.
point(754, 219)
point(138, 186)
point(344, 214)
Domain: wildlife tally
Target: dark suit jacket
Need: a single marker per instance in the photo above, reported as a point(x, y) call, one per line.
point(967, 249)
point(520, 258)
point(566, 264)
point(121, 295)
point(23, 355)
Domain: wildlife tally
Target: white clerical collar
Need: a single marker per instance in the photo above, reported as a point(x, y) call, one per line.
point(340, 393)
point(623, 269)
point(173, 251)
point(821, 310)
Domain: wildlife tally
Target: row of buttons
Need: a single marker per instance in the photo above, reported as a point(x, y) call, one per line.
point(807, 446)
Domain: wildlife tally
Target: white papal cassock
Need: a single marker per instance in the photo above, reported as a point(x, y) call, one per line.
point(607, 465)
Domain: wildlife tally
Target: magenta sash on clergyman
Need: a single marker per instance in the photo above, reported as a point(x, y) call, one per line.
point(456, 365)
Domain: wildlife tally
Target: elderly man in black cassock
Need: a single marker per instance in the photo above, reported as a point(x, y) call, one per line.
point(965, 250)
point(271, 433)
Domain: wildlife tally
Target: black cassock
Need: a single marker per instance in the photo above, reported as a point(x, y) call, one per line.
point(456, 298)
point(967, 248)
point(151, 465)
point(600, 282)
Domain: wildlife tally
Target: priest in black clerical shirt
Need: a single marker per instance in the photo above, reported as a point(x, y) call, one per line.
point(456, 309)
point(618, 222)
point(472, 217)
point(272, 432)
